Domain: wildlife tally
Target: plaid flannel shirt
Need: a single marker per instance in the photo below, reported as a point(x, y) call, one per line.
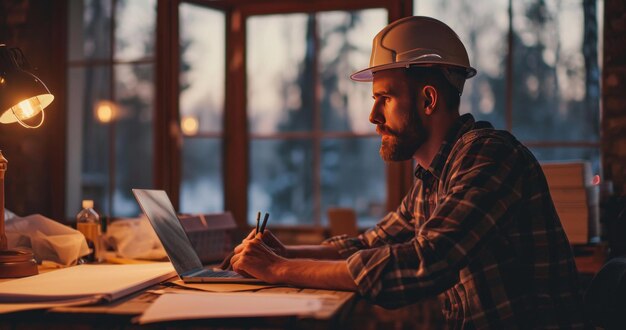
point(479, 228)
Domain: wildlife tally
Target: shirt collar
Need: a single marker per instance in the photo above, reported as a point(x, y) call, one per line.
point(461, 126)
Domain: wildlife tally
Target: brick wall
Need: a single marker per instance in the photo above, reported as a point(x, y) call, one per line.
point(614, 95)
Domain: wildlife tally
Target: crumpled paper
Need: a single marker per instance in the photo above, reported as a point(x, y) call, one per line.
point(134, 239)
point(8, 215)
point(48, 239)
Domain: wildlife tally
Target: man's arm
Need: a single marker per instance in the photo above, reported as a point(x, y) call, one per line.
point(253, 257)
point(395, 227)
point(320, 274)
point(278, 263)
point(326, 252)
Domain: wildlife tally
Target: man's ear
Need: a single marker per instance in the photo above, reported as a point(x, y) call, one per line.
point(430, 99)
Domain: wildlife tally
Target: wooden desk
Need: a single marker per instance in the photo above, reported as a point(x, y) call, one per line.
point(120, 314)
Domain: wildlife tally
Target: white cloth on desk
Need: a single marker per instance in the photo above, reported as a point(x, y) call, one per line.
point(48, 239)
point(135, 239)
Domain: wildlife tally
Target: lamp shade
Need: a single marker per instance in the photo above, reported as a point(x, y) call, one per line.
point(22, 94)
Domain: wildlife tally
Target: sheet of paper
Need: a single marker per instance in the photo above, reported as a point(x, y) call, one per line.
point(10, 308)
point(223, 287)
point(202, 305)
point(108, 281)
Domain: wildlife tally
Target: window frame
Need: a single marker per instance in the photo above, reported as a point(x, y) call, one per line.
point(235, 133)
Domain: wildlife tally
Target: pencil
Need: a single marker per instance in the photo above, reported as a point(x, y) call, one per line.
point(258, 217)
point(267, 215)
point(225, 265)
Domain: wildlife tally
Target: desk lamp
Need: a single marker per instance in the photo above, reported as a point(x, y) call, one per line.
point(22, 97)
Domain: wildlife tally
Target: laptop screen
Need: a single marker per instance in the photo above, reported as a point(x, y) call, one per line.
point(159, 210)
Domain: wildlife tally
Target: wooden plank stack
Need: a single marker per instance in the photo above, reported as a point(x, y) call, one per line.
point(575, 198)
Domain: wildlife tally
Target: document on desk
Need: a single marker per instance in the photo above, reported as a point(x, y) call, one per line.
point(88, 282)
point(10, 308)
point(204, 305)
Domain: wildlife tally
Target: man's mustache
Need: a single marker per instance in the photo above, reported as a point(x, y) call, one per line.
point(384, 130)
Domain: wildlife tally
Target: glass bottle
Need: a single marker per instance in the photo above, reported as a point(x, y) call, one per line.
point(88, 223)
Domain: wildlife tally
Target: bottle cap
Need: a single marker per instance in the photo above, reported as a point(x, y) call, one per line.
point(87, 204)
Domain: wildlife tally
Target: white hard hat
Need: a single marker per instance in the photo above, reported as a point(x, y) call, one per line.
point(417, 41)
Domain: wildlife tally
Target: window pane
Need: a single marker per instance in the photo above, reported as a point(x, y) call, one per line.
point(89, 142)
point(279, 63)
point(281, 181)
point(134, 91)
point(556, 87)
point(202, 47)
point(345, 45)
point(353, 175)
point(483, 26)
point(135, 27)
point(201, 188)
point(89, 29)
point(564, 154)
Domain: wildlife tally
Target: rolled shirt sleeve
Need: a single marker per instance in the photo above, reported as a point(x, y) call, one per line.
point(346, 246)
point(394, 228)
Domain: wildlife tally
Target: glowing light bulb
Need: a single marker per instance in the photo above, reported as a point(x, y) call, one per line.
point(105, 111)
point(27, 108)
point(189, 125)
point(105, 114)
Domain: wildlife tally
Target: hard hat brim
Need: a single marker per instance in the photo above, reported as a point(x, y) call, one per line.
point(367, 75)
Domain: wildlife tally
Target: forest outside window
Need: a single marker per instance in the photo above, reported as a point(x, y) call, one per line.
point(312, 146)
point(549, 96)
point(201, 103)
point(111, 100)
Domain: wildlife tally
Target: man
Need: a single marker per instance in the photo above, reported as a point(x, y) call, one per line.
point(478, 227)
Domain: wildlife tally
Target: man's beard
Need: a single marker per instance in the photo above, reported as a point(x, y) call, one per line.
point(396, 148)
point(400, 146)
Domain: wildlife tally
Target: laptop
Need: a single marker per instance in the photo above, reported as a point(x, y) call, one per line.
point(160, 212)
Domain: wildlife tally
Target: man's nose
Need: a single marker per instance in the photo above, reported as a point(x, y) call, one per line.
point(376, 115)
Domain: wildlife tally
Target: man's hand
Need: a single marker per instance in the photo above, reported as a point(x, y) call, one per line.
point(254, 258)
point(270, 241)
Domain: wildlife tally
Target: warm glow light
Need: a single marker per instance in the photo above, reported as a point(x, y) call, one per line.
point(189, 125)
point(27, 108)
point(24, 110)
point(105, 111)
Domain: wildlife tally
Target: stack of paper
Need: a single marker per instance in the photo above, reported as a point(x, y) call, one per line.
point(81, 284)
point(575, 199)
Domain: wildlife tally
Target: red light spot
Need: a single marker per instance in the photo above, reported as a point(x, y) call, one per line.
point(596, 180)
